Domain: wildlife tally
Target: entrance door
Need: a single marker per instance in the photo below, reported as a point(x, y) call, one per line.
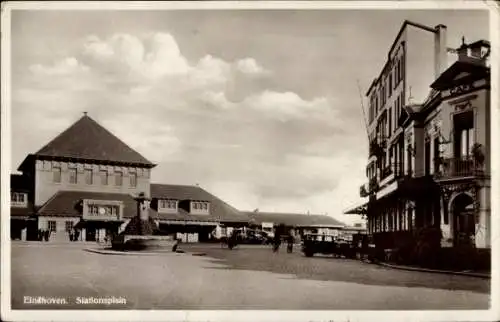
point(464, 221)
point(16, 227)
point(90, 234)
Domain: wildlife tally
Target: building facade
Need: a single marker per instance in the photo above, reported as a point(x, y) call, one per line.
point(298, 224)
point(421, 148)
point(84, 182)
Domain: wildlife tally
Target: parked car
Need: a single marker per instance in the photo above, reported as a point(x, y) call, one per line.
point(319, 244)
point(346, 248)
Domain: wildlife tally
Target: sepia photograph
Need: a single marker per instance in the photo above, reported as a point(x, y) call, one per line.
point(226, 161)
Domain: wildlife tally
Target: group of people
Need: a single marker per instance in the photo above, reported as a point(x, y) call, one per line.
point(74, 235)
point(43, 234)
point(277, 243)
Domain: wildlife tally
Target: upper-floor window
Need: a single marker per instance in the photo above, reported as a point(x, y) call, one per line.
point(427, 157)
point(18, 199)
point(73, 176)
point(390, 83)
point(118, 178)
point(396, 73)
point(167, 204)
point(133, 180)
point(436, 154)
point(390, 120)
point(56, 176)
point(104, 177)
point(199, 207)
point(102, 209)
point(463, 124)
point(89, 176)
point(401, 68)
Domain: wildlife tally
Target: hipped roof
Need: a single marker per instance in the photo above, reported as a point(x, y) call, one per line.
point(88, 140)
point(294, 219)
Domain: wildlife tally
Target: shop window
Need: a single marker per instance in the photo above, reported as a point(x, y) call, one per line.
point(69, 225)
point(52, 225)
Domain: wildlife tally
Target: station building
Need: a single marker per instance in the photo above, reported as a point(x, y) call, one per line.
point(86, 179)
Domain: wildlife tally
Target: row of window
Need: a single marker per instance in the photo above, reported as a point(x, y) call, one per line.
point(52, 225)
point(172, 204)
point(386, 87)
point(392, 221)
point(103, 210)
point(56, 165)
point(89, 177)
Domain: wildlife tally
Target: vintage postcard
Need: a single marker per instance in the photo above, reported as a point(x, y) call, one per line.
point(250, 161)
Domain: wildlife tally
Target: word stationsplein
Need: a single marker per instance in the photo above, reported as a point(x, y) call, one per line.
point(101, 300)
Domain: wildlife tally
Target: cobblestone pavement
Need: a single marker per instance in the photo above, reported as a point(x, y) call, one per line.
point(327, 268)
point(245, 278)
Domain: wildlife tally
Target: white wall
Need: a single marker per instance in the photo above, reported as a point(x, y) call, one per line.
point(420, 63)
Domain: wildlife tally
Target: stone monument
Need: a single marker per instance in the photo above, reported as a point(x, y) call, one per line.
point(142, 232)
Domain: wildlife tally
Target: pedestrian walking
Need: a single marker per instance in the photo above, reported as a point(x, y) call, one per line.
point(276, 243)
point(289, 248)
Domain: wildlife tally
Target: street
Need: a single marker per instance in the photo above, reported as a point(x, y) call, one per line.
point(248, 277)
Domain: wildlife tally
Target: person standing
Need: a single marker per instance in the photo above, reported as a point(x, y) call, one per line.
point(290, 244)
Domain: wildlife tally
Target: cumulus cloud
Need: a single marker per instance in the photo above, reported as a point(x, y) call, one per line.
point(251, 67)
point(270, 149)
point(68, 66)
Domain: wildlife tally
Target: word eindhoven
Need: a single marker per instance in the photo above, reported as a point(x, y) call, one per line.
point(43, 300)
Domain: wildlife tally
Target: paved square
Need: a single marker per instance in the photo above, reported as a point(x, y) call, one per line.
point(245, 278)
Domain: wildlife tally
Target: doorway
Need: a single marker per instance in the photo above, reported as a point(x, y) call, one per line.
point(90, 234)
point(464, 220)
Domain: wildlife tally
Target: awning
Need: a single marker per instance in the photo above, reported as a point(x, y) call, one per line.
point(97, 223)
point(358, 209)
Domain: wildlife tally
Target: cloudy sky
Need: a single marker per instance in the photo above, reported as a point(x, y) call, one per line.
point(261, 108)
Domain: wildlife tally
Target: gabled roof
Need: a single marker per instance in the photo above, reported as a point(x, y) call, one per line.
point(219, 210)
point(294, 219)
point(88, 140)
point(65, 203)
point(474, 67)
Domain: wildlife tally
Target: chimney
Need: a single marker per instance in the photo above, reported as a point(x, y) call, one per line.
point(440, 50)
point(463, 51)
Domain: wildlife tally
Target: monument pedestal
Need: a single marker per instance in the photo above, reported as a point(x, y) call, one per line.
point(140, 232)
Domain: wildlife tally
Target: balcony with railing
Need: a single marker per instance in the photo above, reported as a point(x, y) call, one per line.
point(459, 167)
point(395, 169)
point(368, 188)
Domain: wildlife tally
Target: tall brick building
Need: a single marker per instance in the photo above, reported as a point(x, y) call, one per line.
point(86, 179)
point(429, 154)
